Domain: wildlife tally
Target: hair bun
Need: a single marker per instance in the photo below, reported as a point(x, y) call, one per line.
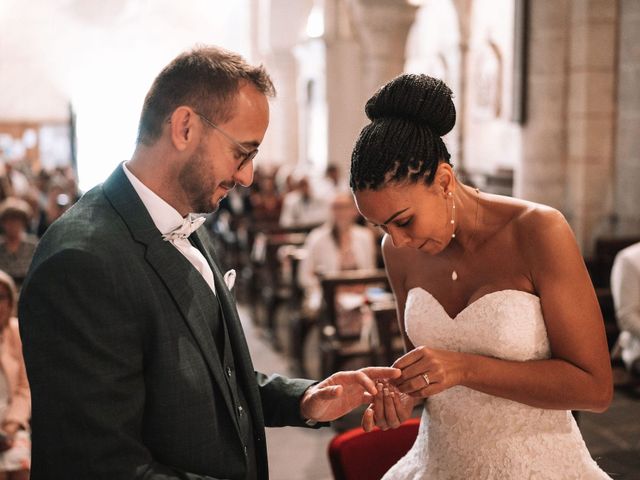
point(417, 98)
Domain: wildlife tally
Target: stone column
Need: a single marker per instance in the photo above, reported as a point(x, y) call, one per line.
point(627, 160)
point(591, 118)
point(541, 176)
point(463, 8)
point(383, 26)
point(329, 85)
point(278, 27)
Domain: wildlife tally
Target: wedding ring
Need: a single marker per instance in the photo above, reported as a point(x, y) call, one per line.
point(426, 379)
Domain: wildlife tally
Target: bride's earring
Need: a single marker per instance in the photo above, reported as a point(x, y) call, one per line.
point(453, 215)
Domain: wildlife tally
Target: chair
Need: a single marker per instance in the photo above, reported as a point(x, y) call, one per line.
point(269, 289)
point(338, 347)
point(358, 455)
point(391, 341)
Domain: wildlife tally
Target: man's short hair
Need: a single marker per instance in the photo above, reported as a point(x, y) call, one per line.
point(206, 79)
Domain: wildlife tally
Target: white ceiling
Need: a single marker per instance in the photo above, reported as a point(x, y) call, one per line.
point(54, 50)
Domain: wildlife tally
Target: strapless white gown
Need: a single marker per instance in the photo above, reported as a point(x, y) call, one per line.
point(468, 435)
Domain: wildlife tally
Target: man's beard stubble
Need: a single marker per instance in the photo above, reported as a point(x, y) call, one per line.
point(198, 184)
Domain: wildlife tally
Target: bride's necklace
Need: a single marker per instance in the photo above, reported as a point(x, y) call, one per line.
point(454, 271)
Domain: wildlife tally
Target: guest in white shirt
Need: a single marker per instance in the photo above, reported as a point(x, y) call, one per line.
point(625, 288)
point(302, 208)
point(340, 244)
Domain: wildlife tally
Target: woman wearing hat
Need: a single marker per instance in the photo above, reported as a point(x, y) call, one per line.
point(16, 246)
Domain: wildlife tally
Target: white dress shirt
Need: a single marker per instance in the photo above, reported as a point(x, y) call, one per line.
point(166, 219)
point(625, 289)
point(299, 212)
point(323, 255)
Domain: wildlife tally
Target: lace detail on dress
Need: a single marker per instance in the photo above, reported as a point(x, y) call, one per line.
point(465, 434)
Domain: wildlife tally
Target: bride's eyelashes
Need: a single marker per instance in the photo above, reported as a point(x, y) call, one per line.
point(405, 223)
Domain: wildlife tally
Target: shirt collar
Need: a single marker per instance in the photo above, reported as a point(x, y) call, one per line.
point(164, 216)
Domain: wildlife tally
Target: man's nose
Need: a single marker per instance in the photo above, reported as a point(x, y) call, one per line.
point(245, 176)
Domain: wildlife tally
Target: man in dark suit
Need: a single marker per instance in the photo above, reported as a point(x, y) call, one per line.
point(135, 354)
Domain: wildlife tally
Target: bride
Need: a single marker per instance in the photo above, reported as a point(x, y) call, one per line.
point(501, 323)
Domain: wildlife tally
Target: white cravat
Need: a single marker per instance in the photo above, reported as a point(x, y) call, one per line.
point(173, 227)
point(179, 238)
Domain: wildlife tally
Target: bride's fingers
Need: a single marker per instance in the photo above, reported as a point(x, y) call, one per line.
point(403, 410)
point(416, 384)
point(390, 413)
point(408, 358)
point(368, 421)
point(415, 370)
point(378, 409)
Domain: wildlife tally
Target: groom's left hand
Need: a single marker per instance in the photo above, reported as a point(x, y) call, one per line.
point(342, 392)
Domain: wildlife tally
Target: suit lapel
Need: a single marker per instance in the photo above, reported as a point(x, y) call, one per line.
point(229, 311)
point(184, 283)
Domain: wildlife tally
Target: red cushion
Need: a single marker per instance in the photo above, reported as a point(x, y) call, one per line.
point(357, 455)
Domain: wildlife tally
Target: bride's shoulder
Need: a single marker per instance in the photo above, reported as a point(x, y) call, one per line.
point(540, 226)
point(535, 218)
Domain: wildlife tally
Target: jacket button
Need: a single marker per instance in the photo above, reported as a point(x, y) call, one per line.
point(246, 451)
point(240, 410)
point(229, 372)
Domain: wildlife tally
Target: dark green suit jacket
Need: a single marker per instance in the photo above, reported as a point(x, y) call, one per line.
point(125, 374)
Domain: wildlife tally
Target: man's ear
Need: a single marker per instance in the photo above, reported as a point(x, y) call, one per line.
point(182, 127)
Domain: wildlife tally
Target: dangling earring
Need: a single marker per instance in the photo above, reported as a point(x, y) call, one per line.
point(453, 215)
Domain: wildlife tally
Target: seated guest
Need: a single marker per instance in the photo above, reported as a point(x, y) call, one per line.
point(329, 184)
point(340, 244)
point(16, 246)
point(625, 288)
point(59, 199)
point(15, 397)
point(302, 208)
point(266, 202)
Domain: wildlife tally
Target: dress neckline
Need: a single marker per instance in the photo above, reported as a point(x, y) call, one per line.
point(478, 300)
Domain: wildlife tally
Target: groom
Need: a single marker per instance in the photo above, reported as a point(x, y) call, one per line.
point(136, 358)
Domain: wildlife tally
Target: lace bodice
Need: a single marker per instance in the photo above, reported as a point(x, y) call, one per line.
point(466, 434)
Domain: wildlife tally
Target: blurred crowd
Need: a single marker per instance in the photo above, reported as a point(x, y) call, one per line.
point(30, 202)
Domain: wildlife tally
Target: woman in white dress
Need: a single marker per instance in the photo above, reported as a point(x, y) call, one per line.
point(502, 326)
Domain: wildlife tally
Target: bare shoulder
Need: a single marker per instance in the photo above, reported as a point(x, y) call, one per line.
point(540, 225)
point(547, 242)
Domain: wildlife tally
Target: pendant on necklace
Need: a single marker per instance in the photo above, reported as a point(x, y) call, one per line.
point(454, 275)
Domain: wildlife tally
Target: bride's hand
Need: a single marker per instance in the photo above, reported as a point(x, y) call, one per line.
point(388, 409)
point(426, 371)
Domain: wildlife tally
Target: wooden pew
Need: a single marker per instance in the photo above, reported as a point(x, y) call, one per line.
point(391, 341)
point(336, 346)
point(270, 287)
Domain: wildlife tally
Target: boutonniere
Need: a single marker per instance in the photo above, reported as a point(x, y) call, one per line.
point(230, 279)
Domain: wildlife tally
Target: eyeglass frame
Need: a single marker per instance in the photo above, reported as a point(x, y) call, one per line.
point(249, 154)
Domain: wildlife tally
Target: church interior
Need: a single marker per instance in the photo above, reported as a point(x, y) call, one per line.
point(548, 110)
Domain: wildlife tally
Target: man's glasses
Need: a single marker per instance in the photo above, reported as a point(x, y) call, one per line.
point(247, 155)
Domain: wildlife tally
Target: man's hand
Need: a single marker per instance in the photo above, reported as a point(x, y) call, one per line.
point(342, 392)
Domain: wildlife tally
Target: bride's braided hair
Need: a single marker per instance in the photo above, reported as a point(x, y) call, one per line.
point(402, 143)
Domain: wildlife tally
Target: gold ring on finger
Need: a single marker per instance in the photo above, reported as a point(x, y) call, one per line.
point(426, 379)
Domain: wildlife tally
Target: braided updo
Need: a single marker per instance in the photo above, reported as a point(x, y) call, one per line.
point(402, 143)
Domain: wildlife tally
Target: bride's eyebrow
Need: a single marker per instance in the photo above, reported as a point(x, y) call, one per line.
point(399, 212)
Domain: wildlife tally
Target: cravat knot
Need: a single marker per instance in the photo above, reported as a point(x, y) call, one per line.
point(189, 225)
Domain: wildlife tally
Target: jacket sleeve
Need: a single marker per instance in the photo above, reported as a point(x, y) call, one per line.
point(83, 348)
point(280, 397)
